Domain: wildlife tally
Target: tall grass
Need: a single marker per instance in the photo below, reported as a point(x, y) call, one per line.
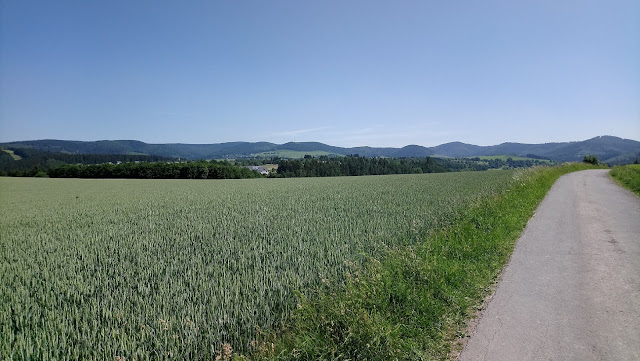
point(413, 302)
point(159, 269)
point(628, 176)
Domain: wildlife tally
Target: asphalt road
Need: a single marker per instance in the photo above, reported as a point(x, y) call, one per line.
point(571, 290)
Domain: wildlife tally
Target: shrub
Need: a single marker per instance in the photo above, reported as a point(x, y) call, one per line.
point(591, 159)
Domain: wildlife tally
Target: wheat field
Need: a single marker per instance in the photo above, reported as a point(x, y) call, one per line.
point(161, 269)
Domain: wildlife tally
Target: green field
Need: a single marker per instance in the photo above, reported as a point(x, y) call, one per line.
point(94, 269)
point(13, 154)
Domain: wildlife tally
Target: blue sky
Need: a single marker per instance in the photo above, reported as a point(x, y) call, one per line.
point(347, 73)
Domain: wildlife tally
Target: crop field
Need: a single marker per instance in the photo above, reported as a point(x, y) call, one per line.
point(159, 269)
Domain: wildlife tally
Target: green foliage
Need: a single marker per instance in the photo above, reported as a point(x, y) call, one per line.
point(591, 159)
point(155, 170)
point(504, 158)
point(293, 154)
point(355, 165)
point(628, 176)
point(21, 162)
point(140, 269)
point(58, 165)
point(412, 303)
point(508, 162)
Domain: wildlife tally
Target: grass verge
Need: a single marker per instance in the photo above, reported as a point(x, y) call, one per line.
point(628, 176)
point(414, 303)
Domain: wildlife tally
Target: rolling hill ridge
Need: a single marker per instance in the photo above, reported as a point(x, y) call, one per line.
point(609, 149)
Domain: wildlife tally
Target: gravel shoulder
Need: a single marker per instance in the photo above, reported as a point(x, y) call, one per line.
point(571, 290)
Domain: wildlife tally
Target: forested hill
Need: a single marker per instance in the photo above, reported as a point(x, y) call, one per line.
point(608, 149)
point(21, 160)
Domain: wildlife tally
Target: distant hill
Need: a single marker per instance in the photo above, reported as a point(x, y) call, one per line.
point(458, 149)
point(210, 151)
point(608, 149)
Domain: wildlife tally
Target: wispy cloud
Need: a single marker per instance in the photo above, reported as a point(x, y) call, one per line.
point(426, 134)
point(375, 135)
point(368, 130)
point(290, 133)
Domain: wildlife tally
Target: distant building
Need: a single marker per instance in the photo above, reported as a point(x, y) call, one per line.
point(259, 169)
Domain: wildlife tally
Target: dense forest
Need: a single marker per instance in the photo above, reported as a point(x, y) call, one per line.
point(155, 170)
point(37, 163)
point(33, 161)
point(355, 165)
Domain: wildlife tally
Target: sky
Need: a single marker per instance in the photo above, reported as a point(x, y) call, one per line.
point(345, 73)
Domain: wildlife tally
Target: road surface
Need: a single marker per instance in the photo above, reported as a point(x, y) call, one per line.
point(572, 288)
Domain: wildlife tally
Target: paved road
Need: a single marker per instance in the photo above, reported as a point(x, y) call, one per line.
point(572, 288)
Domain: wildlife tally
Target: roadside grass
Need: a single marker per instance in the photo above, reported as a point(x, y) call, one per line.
point(414, 302)
point(627, 176)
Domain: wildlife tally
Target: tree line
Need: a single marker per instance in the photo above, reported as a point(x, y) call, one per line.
point(497, 163)
point(36, 161)
point(355, 165)
point(155, 170)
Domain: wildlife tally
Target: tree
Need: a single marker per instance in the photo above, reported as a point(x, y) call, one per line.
point(591, 159)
